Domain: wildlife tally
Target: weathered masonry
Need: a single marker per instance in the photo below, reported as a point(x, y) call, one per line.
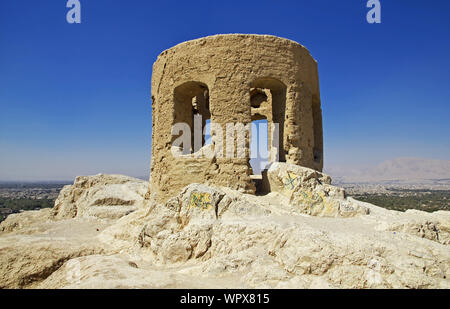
point(233, 78)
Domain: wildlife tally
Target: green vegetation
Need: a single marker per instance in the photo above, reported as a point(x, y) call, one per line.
point(9, 206)
point(25, 203)
point(401, 200)
point(28, 185)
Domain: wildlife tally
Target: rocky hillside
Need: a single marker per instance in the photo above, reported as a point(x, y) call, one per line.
point(304, 233)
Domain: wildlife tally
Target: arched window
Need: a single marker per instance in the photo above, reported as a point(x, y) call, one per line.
point(192, 107)
point(259, 145)
point(268, 103)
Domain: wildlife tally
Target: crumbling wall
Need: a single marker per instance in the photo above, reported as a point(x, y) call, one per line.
point(220, 77)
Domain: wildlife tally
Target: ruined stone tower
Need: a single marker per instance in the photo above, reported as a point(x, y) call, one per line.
point(233, 78)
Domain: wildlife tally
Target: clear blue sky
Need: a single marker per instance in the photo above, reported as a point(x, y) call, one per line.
point(75, 98)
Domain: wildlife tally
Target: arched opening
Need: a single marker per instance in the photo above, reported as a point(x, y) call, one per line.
point(259, 145)
point(268, 103)
point(191, 106)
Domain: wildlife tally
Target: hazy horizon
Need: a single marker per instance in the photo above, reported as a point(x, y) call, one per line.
point(346, 171)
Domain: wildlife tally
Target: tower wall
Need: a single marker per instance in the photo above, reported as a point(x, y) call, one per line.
point(216, 77)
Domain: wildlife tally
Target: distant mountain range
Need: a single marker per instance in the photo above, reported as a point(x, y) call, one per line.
point(399, 169)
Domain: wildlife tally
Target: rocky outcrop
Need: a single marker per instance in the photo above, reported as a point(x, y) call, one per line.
point(28, 220)
point(309, 191)
point(106, 272)
point(101, 196)
point(26, 262)
point(121, 271)
point(215, 232)
point(30, 254)
point(34, 244)
point(218, 237)
point(433, 226)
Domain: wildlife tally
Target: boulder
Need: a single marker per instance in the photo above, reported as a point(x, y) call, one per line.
point(309, 191)
point(101, 196)
point(26, 220)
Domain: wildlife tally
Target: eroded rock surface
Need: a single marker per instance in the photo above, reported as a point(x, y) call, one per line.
point(309, 191)
point(28, 255)
point(102, 196)
point(218, 237)
point(28, 221)
point(220, 233)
